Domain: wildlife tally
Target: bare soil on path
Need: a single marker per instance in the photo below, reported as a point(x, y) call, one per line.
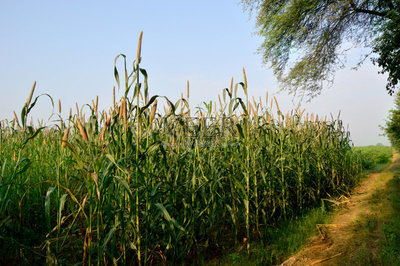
point(353, 230)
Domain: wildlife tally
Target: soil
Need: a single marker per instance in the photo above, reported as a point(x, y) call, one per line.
point(339, 242)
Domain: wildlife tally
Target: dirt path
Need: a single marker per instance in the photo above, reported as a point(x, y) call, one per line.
point(340, 241)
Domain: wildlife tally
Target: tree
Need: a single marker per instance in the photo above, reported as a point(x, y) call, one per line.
point(392, 128)
point(305, 41)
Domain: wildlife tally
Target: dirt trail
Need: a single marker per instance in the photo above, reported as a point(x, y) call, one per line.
point(337, 242)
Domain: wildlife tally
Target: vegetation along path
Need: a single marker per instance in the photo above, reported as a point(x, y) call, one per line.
point(365, 229)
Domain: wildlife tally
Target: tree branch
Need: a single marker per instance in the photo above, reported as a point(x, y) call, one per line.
point(390, 5)
point(371, 12)
point(366, 11)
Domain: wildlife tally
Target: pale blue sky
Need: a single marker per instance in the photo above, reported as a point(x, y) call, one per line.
point(69, 47)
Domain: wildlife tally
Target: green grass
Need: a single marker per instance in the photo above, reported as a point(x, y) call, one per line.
point(278, 242)
point(374, 158)
point(390, 244)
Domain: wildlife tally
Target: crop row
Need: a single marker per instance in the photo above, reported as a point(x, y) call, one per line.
point(133, 184)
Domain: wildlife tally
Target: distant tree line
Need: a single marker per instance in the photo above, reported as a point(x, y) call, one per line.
point(392, 128)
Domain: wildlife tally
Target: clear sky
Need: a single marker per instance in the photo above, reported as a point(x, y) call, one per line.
point(69, 47)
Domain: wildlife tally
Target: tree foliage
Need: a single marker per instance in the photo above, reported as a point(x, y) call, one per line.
point(305, 40)
point(392, 128)
point(387, 46)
